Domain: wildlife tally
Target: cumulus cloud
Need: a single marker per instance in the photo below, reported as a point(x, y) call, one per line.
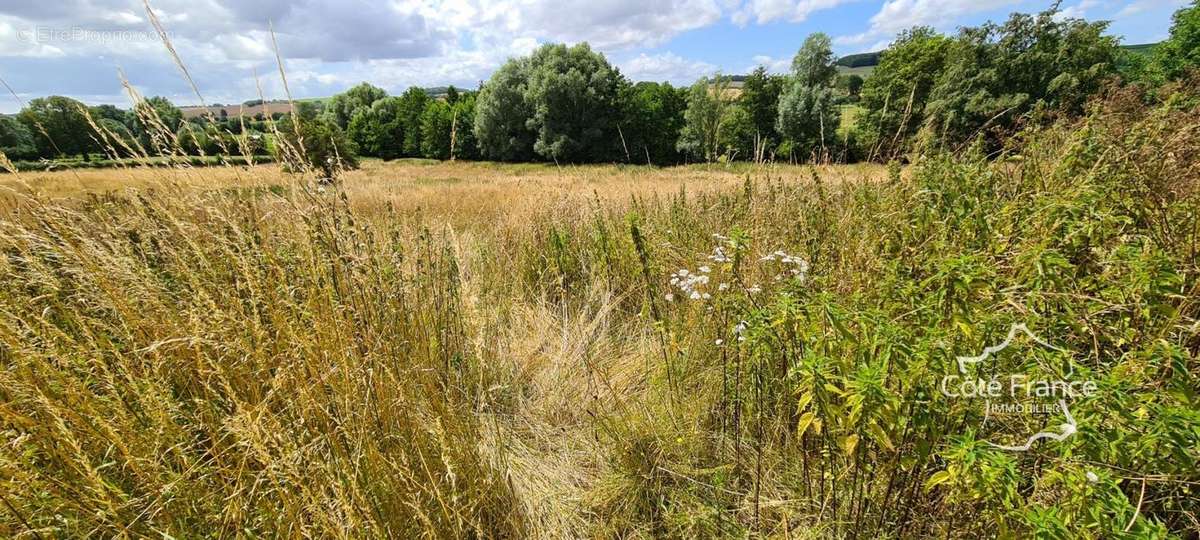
point(765, 11)
point(898, 15)
point(666, 67)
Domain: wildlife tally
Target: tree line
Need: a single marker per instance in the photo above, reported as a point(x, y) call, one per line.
point(568, 104)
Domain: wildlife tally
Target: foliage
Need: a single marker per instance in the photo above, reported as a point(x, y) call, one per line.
point(436, 124)
point(997, 75)
point(16, 140)
point(708, 105)
point(808, 119)
point(814, 64)
point(653, 120)
point(59, 126)
point(573, 93)
point(808, 113)
point(311, 142)
point(1181, 51)
point(502, 114)
point(409, 110)
point(342, 108)
point(897, 92)
point(378, 130)
point(760, 99)
point(561, 103)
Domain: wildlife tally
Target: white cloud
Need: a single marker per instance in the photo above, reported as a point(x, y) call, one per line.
point(765, 11)
point(898, 15)
point(773, 65)
point(1138, 6)
point(666, 67)
point(1077, 11)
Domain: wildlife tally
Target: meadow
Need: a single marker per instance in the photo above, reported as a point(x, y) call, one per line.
point(478, 350)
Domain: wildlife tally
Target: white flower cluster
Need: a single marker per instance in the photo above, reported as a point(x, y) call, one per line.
point(799, 266)
point(690, 283)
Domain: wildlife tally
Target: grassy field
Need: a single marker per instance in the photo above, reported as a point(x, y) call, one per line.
point(479, 350)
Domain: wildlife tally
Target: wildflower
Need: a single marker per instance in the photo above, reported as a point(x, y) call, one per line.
point(720, 341)
point(719, 255)
point(723, 287)
point(670, 297)
point(1091, 476)
point(754, 289)
point(705, 269)
point(695, 295)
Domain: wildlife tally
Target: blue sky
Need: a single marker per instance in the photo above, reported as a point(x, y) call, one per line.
point(76, 47)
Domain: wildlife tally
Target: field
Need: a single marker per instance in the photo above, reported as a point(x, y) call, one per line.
point(481, 350)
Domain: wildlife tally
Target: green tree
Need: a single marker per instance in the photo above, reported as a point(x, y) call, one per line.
point(463, 121)
point(808, 120)
point(378, 130)
point(411, 107)
point(852, 83)
point(309, 141)
point(16, 139)
point(1181, 51)
point(996, 75)
point(562, 103)
point(59, 126)
point(708, 103)
point(155, 120)
point(435, 129)
point(653, 119)
point(575, 96)
point(814, 64)
point(808, 113)
point(341, 108)
point(760, 99)
point(502, 114)
point(895, 96)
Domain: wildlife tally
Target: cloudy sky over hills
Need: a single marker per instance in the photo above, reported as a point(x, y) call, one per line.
point(75, 47)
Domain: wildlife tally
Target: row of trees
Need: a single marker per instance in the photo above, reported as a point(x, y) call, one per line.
point(58, 127)
point(568, 104)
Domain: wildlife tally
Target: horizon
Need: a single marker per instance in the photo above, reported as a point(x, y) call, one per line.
point(329, 47)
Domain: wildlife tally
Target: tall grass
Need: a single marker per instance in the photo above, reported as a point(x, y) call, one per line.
point(295, 362)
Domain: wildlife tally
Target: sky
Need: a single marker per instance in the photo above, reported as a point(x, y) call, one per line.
point(80, 48)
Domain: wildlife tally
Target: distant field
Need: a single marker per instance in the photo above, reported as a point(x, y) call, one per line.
point(850, 114)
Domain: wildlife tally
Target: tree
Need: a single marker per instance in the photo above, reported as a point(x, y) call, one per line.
point(808, 119)
point(111, 112)
point(410, 108)
point(342, 107)
point(1181, 51)
point(502, 114)
point(853, 84)
point(707, 103)
point(808, 114)
point(463, 135)
point(760, 99)
point(995, 76)
point(59, 126)
point(435, 130)
point(156, 119)
point(561, 103)
point(452, 95)
point(16, 139)
point(378, 130)
point(895, 95)
point(574, 93)
point(309, 141)
point(653, 119)
point(814, 64)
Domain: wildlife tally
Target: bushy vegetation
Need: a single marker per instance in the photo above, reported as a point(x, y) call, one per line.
point(761, 361)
